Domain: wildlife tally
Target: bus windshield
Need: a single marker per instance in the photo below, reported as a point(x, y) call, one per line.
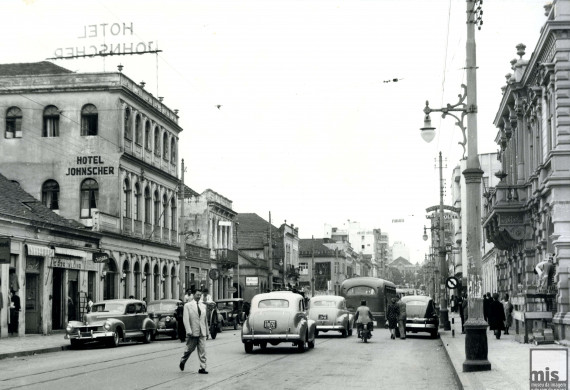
point(361, 290)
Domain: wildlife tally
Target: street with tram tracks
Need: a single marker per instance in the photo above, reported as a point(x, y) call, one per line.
point(335, 362)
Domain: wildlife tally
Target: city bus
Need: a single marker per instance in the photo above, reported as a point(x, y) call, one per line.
point(375, 291)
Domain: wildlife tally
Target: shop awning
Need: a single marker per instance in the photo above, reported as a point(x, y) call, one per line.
point(70, 252)
point(39, 250)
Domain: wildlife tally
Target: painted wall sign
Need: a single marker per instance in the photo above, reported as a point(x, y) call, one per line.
point(100, 257)
point(96, 167)
point(106, 32)
point(4, 250)
point(251, 281)
point(58, 262)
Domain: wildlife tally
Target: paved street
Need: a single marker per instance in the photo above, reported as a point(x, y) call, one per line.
point(417, 362)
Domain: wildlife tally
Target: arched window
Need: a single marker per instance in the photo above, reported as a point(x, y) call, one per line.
point(89, 197)
point(173, 151)
point(165, 146)
point(51, 122)
point(173, 215)
point(89, 119)
point(147, 205)
point(128, 123)
point(147, 136)
point(138, 130)
point(165, 218)
point(137, 202)
point(127, 198)
point(156, 208)
point(13, 123)
point(157, 141)
point(50, 194)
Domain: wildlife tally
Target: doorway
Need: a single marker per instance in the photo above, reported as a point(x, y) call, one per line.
point(57, 301)
point(33, 315)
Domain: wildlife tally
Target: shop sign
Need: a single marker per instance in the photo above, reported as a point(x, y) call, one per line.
point(58, 262)
point(100, 257)
point(4, 250)
point(252, 281)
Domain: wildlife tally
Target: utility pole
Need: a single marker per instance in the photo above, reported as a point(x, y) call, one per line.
point(442, 255)
point(270, 256)
point(182, 235)
point(312, 266)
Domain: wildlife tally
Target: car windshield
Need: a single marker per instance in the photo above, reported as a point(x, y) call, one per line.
point(361, 290)
point(229, 306)
point(273, 303)
point(109, 307)
point(161, 306)
point(323, 304)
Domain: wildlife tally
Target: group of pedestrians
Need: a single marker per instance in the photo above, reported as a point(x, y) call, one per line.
point(396, 316)
point(498, 314)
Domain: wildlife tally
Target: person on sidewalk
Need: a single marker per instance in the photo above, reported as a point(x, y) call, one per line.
point(392, 315)
point(402, 319)
point(196, 331)
point(486, 302)
point(508, 307)
point(464, 312)
point(15, 308)
point(496, 315)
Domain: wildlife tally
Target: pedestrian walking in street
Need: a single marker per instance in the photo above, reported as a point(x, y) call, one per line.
point(15, 308)
point(180, 321)
point(463, 312)
point(196, 331)
point(189, 294)
point(496, 315)
point(392, 315)
point(402, 319)
point(508, 306)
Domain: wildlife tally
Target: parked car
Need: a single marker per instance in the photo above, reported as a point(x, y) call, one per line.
point(330, 313)
point(421, 315)
point(112, 322)
point(163, 313)
point(231, 311)
point(278, 317)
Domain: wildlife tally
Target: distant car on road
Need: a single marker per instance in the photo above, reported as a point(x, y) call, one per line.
point(231, 311)
point(163, 313)
point(421, 315)
point(278, 317)
point(112, 322)
point(330, 313)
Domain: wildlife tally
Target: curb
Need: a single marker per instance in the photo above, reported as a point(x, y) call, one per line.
point(450, 361)
point(34, 352)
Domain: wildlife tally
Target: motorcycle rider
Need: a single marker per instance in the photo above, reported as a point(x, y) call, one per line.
point(363, 316)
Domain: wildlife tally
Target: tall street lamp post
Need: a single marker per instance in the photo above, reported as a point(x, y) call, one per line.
point(476, 348)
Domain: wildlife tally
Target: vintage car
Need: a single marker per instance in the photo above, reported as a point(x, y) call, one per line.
point(421, 315)
point(278, 317)
point(231, 311)
point(112, 322)
point(330, 313)
point(163, 313)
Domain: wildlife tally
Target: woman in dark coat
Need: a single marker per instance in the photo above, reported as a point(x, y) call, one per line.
point(496, 316)
point(392, 314)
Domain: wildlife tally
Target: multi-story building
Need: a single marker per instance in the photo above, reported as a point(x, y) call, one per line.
point(527, 214)
point(209, 226)
point(99, 149)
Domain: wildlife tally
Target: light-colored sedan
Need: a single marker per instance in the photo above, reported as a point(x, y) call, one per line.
point(278, 317)
point(330, 313)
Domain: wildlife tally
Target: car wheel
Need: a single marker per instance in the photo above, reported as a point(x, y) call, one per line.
point(343, 333)
point(248, 347)
point(147, 336)
point(116, 339)
point(316, 333)
point(350, 332)
point(175, 334)
point(301, 346)
point(235, 325)
point(434, 334)
point(263, 345)
point(311, 344)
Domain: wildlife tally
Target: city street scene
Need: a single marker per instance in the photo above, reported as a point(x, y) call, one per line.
point(209, 194)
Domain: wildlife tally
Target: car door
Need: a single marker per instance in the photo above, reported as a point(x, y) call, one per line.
point(129, 319)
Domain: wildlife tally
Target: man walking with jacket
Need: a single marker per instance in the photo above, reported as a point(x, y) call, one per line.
point(194, 318)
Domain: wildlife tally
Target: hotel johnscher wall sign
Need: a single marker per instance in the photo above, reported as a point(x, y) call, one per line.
point(90, 166)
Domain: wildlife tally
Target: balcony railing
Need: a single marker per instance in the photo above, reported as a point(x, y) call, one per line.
point(226, 258)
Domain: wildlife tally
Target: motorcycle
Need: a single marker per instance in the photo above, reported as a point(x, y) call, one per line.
point(364, 333)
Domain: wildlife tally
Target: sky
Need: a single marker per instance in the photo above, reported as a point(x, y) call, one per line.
point(289, 107)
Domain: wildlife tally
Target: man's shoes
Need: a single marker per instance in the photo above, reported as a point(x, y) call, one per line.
point(202, 371)
point(181, 365)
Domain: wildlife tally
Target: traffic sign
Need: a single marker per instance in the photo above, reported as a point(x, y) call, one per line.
point(232, 290)
point(214, 274)
point(452, 282)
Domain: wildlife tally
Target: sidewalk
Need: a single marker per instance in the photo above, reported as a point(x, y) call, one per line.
point(510, 360)
point(32, 344)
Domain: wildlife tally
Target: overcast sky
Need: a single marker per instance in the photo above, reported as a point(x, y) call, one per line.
point(307, 127)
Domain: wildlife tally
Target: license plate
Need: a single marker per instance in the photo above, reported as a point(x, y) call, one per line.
point(86, 334)
point(323, 316)
point(270, 324)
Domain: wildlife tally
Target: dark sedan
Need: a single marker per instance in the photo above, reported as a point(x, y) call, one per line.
point(163, 313)
point(421, 315)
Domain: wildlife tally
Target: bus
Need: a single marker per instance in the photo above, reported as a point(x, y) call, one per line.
point(375, 291)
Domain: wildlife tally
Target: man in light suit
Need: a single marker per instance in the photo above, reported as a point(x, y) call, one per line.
point(194, 317)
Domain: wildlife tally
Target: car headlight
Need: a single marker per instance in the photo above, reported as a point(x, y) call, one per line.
point(107, 325)
point(69, 329)
point(167, 319)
